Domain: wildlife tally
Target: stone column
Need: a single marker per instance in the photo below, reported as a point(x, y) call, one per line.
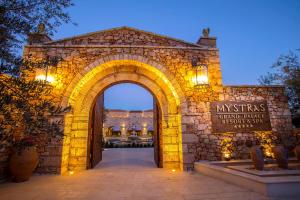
point(123, 131)
point(144, 130)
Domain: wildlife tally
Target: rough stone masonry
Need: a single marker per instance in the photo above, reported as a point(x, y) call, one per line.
point(164, 66)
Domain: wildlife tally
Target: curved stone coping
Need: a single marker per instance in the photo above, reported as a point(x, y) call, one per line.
point(267, 173)
point(287, 186)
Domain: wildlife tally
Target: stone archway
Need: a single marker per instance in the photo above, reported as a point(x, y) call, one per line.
point(94, 158)
point(84, 89)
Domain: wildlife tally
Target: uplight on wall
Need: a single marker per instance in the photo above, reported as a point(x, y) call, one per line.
point(123, 126)
point(200, 77)
point(226, 155)
point(144, 127)
point(268, 153)
point(71, 172)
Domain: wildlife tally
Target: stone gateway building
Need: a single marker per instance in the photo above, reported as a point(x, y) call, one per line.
point(196, 116)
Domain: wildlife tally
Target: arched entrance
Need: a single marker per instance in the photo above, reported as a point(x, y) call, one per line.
point(87, 86)
point(96, 134)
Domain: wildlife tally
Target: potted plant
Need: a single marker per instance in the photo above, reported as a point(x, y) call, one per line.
point(20, 95)
point(24, 159)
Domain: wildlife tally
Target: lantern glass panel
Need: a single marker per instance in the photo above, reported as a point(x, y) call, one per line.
point(201, 75)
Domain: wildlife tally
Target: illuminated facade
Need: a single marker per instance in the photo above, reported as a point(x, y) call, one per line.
point(124, 121)
point(185, 78)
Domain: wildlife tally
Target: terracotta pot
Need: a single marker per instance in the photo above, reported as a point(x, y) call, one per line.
point(257, 157)
point(281, 156)
point(23, 163)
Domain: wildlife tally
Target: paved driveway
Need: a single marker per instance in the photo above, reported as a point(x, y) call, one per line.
point(125, 174)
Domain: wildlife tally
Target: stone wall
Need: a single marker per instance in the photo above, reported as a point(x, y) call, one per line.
point(50, 156)
point(203, 144)
point(130, 54)
point(175, 56)
point(4, 157)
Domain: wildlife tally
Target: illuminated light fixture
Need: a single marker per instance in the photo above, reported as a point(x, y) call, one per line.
point(200, 77)
point(268, 154)
point(227, 156)
point(71, 172)
point(123, 126)
point(44, 75)
point(173, 170)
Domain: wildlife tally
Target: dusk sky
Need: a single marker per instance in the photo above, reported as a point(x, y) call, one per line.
point(251, 34)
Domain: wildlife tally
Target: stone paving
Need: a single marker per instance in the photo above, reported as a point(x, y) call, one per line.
point(126, 174)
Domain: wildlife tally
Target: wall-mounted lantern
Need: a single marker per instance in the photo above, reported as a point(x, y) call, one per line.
point(200, 77)
point(44, 75)
point(48, 72)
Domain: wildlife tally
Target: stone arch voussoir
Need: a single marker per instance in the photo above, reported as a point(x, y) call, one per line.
point(110, 70)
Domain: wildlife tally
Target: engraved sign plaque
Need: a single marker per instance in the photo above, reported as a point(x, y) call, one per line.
point(241, 116)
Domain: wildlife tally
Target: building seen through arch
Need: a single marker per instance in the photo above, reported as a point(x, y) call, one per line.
point(125, 125)
point(128, 116)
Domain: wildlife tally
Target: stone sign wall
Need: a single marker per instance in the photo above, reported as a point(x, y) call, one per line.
point(240, 116)
point(205, 144)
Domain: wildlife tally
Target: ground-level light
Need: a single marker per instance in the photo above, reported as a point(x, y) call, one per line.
point(227, 156)
point(268, 153)
point(71, 172)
